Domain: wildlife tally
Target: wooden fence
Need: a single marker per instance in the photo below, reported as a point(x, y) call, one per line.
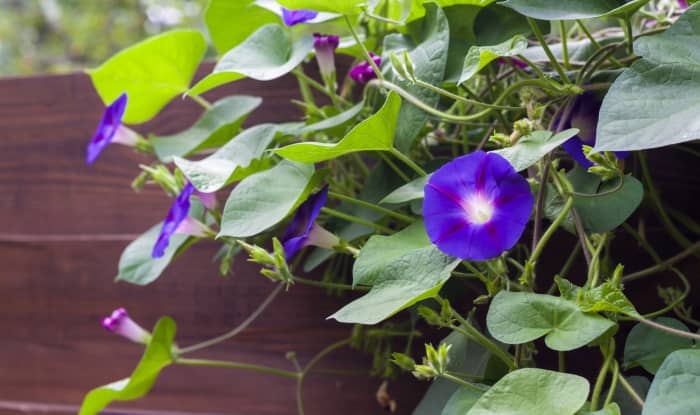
point(62, 229)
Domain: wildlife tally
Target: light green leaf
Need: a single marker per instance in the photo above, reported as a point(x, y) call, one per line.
point(648, 347)
point(155, 358)
point(674, 390)
point(533, 392)
point(574, 9)
point(402, 269)
point(334, 121)
point(606, 297)
point(529, 150)
point(479, 56)
point(465, 357)
point(655, 102)
point(519, 317)
point(611, 409)
point(262, 200)
point(429, 59)
point(461, 401)
point(231, 22)
point(376, 133)
point(214, 128)
point(348, 7)
point(151, 72)
point(267, 54)
point(216, 171)
point(413, 190)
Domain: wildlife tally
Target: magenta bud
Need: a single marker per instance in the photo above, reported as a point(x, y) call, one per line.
point(325, 46)
point(120, 323)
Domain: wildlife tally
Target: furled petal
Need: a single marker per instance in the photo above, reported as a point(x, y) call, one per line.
point(683, 4)
point(120, 323)
point(107, 128)
point(294, 17)
point(177, 214)
point(325, 46)
point(364, 72)
point(297, 234)
point(477, 206)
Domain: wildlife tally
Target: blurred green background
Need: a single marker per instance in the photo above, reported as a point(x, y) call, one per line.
point(53, 36)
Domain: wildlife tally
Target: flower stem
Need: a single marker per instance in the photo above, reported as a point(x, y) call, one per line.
point(410, 163)
point(472, 333)
point(372, 206)
point(237, 365)
point(608, 355)
point(331, 285)
point(462, 382)
point(548, 234)
point(460, 98)
point(669, 330)
point(564, 43)
point(553, 60)
point(365, 52)
point(355, 219)
point(201, 101)
point(317, 86)
point(630, 390)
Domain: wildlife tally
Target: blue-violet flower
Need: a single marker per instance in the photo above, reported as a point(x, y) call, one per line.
point(111, 130)
point(304, 231)
point(364, 72)
point(294, 17)
point(325, 46)
point(584, 116)
point(477, 206)
point(120, 323)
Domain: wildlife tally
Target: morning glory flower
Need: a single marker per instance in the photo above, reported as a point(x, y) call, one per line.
point(325, 46)
point(364, 72)
point(584, 116)
point(683, 4)
point(120, 323)
point(294, 17)
point(111, 130)
point(476, 206)
point(178, 220)
point(304, 231)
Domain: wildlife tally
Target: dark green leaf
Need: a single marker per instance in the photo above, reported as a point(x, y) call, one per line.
point(574, 9)
point(461, 401)
point(648, 347)
point(479, 56)
point(529, 150)
point(410, 191)
point(628, 405)
point(674, 390)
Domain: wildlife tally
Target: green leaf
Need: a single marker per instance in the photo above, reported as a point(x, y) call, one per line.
point(533, 392)
point(262, 200)
point(648, 347)
point(606, 297)
point(628, 405)
point(348, 7)
point(335, 120)
point(429, 59)
point(402, 269)
point(413, 190)
point(674, 390)
point(214, 128)
point(655, 102)
point(155, 358)
point(465, 357)
point(151, 72)
point(574, 9)
point(267, 54)
point(218, 170)
point(479, 56)
point(231, 22)
point(461, 401)
point(376, 133)
point(519, 317)
point(529, 150)
point(611, 409)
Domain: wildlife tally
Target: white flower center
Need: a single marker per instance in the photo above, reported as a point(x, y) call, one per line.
point(479, 209)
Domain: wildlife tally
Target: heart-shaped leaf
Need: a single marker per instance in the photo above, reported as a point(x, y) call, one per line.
point(519, 317)
point(461, 401)
point(155, 358)
point(674, 390)
point(574, 9)
point(227, 25)
point(612, 409)
point(214, 128)
point(479, 56)
point(413, 190)
point(529, 150)
point(151, 72)
point(265, 55)
point(348, 7)
point(648, 347)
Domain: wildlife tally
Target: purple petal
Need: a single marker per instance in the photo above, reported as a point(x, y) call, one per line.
point(294, 17)
point(297, 233)
point(455, 193)
point(106, 129)
point(325, 46)
point(364, 72)
point(683, 4)
point(177, 214)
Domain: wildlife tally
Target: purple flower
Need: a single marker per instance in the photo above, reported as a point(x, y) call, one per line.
point(294, 17)
point(476, 206)
point(120, 323)
point(364, 72)
point(325, 46)
point(683, 4)
point(178, 220)
point(512, 61)
point(110, 129)
point(584, 116)
point(304, 231)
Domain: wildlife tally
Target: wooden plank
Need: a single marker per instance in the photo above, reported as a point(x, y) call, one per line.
point(62, 229)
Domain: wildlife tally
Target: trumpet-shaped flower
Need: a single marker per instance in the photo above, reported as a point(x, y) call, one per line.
point(294, 17)
point(364, 72)
point(303, 229)
point(584, 116)
point(111, 130)
point(178, 220)
point(477, 206)
point(120, 323)
point(325, 46)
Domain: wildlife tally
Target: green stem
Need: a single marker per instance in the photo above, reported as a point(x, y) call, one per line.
point(462, 382)
point(613, 383)
point(394, 167)
point(663, 265)
point(460, 98)
point(407, 161)
point(472, 333)
point(564, 43)
point(365, 52)
point(595, 43)
point(372, 206)
point(669, 330)
point(630, 390)
point(608, 355)
point(306, 94)
point(355, 219)
point(301, 376)
point(594, 268)
point(331, 285)
point(318, 86)
point(238, 365)
point(629, 37)
point(553, 60)
point(201, 101)
point(551, 230)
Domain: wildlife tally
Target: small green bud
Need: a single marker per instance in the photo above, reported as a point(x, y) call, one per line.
point(424, 372)
point(398, 66)
point(257, 254)
point(403, 361)
point(500, 139)
point(523, 127)
point(430, 316)
point(434, 363)
point(140, 181)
